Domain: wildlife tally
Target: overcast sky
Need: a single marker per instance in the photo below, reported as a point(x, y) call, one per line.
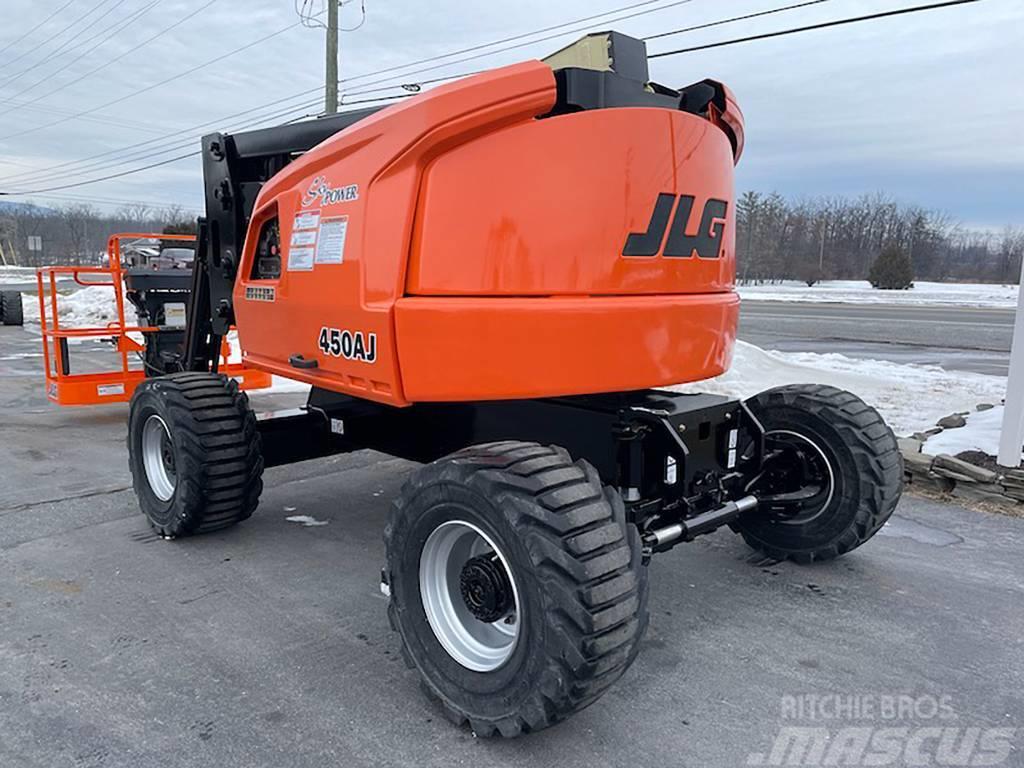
point(927, 107)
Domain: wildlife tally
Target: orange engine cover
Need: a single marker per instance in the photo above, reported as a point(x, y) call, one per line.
point(456, 247)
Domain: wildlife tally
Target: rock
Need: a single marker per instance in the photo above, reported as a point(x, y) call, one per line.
point(917, 463)
point(958, 478)
point(908, 445)
point(949, 465)
point(952, 422)
point(985, 407)
point(1016, 494)
point(981, 492)
point(933, 482)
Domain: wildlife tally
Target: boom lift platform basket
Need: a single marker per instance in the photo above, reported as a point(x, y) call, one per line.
point(65, 387)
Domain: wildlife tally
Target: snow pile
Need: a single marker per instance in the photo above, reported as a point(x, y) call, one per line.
point(980, 434)
point(861, 292)
point(95, 306)
point(911, 398)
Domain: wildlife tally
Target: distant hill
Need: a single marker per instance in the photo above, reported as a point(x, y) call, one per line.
point(9, 207)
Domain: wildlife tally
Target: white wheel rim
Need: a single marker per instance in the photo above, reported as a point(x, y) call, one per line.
point(158, 458)
point(473, 643)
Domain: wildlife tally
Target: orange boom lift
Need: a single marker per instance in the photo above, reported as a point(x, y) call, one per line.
point(497, 279)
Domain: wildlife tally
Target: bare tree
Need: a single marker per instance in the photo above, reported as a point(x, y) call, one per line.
point(77, 217)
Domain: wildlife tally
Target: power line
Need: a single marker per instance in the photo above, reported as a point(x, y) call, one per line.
point(184, 143)
point(179, 145)
point(104, 178)
point(60, 47)
point(128, 52)
point(155, 85)
point(86, 165)
point(823, 25)
point(22, 36)
point(733, 19)
point(509, 39)
point(120, 122)
point(114, 30)
point(150, 166)
point(310, 20)
point(535, 41)
point(388, 69)
point(117, 201)
point(57, 34)
point(372, 74)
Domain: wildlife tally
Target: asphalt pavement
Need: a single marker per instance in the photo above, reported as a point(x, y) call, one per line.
point(956, 338)
point(268, 644)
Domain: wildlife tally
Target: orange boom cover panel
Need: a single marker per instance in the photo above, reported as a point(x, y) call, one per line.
point(456, 247)
point(544, 207)
point(533, 347)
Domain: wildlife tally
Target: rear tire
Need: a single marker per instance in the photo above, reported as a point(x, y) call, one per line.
point(575, 588)
point(864, 465)
point(194, 453)
point(11, 310)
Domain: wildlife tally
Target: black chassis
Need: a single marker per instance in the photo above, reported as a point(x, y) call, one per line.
point(682, 462)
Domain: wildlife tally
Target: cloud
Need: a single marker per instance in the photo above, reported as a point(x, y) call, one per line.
point(924, 106)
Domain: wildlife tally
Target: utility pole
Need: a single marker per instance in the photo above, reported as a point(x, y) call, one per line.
point(331, 85)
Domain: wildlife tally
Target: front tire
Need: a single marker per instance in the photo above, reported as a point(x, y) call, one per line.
point(848, 448)
point(194, 453)
point(542, 601)
point(11, 309)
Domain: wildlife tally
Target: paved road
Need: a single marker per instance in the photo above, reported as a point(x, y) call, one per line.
point(29, 284)
point(956, 338)
point(268, 645)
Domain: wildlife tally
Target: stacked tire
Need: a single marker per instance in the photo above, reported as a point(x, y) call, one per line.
point(11, 310)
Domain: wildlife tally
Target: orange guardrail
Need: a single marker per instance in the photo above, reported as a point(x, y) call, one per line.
point(91, 388)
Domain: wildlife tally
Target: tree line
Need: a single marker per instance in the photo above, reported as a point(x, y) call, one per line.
point(77, 234)
point(837, 238)
point(824, 238)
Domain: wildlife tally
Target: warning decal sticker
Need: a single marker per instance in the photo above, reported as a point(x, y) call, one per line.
point(304, 237)
point(307, 220)
point(330, 249)
point(300, 259)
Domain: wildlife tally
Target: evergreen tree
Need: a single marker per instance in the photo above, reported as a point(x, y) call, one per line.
point(892, 270)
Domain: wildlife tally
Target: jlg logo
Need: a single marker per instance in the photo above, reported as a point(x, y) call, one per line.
point(706, 243)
